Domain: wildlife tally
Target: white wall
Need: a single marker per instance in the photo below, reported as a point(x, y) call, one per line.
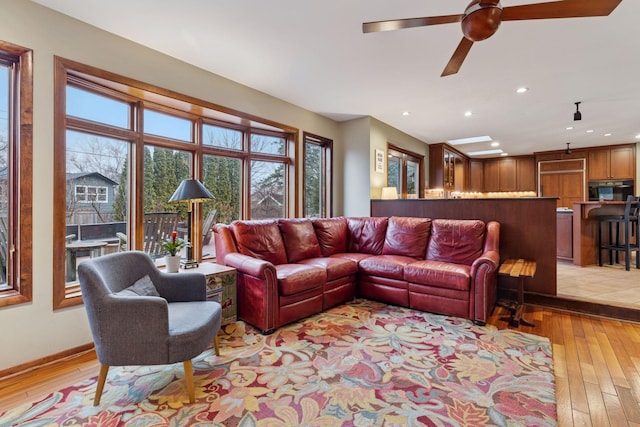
point(32, 331)
point(381, 134)
point(356, 164)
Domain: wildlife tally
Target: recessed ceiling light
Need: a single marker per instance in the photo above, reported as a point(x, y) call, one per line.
point(470, 140)
point(484, 152)
point(504, 154)
point(495, 144)
point(405, 113)
point(468, 114)
point(522, 89)
point(590, 131)
point(607, 134)
point(638, 136)
point(569, 128)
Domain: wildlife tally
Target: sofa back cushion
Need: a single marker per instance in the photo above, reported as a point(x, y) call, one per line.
point(366, 235)
point(260, 239)
point(332, 235)
point(299, 239)
point(456, 240)
point(407, 236)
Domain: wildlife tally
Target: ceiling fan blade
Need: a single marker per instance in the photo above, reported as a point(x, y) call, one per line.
point(458, 57)
point(559, 9)
point(399, 24)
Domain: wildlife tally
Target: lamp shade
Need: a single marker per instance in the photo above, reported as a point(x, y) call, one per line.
point(389, 193)
point(190, 190)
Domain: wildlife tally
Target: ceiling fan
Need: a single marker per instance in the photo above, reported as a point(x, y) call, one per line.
point(482, 18)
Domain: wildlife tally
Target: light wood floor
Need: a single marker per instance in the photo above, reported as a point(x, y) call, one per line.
point(609, 284)
point(597, 366)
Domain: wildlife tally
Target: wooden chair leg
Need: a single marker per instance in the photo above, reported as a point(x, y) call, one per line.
point(102, 378)
point(188, 378)
point(216, 345)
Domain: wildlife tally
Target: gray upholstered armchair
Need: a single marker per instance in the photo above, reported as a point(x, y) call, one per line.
point(142, 316)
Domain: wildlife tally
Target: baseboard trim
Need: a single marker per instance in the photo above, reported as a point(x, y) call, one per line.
point(43, 361)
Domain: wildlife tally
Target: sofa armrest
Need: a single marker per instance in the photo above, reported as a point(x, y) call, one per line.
point(257, 287)
point(249, 265)
point(484, 272)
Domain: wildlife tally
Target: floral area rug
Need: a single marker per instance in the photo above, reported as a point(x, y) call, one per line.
point(360, 364)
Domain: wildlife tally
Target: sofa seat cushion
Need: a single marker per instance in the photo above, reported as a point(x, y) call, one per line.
point(353, 256)
point(331, 234)
point(295, 278)
point(439, 274)
point(391, 266)
point(407, 236)
point(335, 267)
point(299, 238)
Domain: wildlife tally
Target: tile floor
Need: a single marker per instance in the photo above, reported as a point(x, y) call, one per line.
point(609, 284)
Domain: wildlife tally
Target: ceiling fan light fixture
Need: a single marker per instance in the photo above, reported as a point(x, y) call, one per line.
point(577, 115)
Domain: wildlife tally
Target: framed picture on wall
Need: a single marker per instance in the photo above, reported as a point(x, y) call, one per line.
point(379, 161)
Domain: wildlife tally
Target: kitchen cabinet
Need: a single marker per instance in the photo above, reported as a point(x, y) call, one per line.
point(563, 179)
point(508, 175)
point(476, 175)
point(526, 173)
point(612, 163)
point(446, 168)
point(491, 175)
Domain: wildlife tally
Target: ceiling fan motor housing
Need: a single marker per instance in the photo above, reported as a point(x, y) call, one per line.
point(481, 19)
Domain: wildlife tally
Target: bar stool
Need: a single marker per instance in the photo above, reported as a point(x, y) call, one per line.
point(629, 222)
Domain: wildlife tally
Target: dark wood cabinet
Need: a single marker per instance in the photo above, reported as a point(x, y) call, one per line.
point(508, 175)
point(447, 168)
point(526, 173)
point(563, 179)
point(564, 240)
point(476, 175)
point(492, 175)
point(612, 163)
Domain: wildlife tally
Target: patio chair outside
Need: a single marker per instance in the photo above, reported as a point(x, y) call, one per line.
point(157, 228)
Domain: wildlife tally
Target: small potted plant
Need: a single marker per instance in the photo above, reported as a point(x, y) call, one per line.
point(172, 246)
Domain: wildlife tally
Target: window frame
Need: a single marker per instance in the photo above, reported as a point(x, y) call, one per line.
point(326, 146)
point(144, 96)
point(19, 287)
point(404, 155)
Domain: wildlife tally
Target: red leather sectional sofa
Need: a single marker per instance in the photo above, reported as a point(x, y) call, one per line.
point(288, 269)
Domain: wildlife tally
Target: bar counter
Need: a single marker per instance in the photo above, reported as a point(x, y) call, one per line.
point(527, 228)
point(585, 229)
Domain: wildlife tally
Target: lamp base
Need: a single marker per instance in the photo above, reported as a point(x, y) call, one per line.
point(188, 263)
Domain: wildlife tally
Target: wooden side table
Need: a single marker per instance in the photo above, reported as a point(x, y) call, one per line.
point(221, 287)
point(518, 269)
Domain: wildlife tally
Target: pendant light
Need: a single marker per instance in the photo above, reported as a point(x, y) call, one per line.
point(577, 115)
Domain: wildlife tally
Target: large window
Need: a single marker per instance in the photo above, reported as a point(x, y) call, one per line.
point(122, 148)
point(16, 105)
point(317, 176)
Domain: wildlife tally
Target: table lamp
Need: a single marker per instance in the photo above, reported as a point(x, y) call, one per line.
point(389, 193)
point(190, 191)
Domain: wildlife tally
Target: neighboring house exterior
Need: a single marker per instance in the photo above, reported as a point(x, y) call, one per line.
point(90, 198)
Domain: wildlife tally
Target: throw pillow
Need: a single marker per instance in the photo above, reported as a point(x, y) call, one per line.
point(141, 287)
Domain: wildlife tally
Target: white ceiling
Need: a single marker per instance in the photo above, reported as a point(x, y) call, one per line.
point(314, 54)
